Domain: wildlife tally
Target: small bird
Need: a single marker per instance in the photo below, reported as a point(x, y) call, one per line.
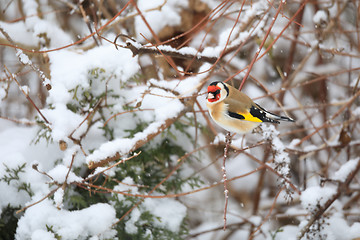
point(235, 111)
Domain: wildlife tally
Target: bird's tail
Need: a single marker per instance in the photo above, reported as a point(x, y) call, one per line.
point(276, 118)
point(280, 118)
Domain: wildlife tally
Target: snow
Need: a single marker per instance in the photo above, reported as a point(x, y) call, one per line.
point(15, 150)
point(294, 143)
point(81, 224)
point(63, 122)
point(335, 227)
point(2, 93)
point(170, 212)
point(70, 69)
point(59, 173)
point(282, 160)
point(58, 197)
point(23, 57)
point(169, 110)
point(212, 51)
point(340, 230)
point(18, 32)
point(39, 27)
point(165, 108)
point(316, 196)
point(25, 89)
point(320, 17)
point(42, 235)
point(310, 148)
point(169, 15)
point(122, 145)
point(130, 224)
point(88, 74)
point(356, 112)
point(287, 233)
point(110, 172)
point(343, 173)
point(207, 52)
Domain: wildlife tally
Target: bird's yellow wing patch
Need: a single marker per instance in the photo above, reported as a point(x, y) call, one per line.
point(244, 116)
point(249, 117)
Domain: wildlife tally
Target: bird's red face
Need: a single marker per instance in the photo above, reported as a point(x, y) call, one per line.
point(213, 93)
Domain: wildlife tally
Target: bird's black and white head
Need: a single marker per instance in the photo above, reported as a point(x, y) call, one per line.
point(217, 92)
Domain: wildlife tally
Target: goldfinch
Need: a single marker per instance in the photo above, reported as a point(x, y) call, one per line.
point(235, 111)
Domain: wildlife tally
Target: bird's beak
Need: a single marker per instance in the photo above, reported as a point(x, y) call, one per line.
point(210, 96)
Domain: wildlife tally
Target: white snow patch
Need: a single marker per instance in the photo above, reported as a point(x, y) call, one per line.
point(170, 212)
point(59, 173)
point(19, 33)
point(94, 220)
point(121, 145)
point(22, 57)
point(293, 144)
point(220, 137)
point(16, 151)
point(287, 233)
point(356, 111)
point(169, 15)
point(169, 110)
point(58, 197)
point(345, 170)
point(165, 108)
point(310, 148)
point(42, 235)
point(127, 185)
point(130, 226)
point(320, 17)
point(25, 89)
point(63, 122)
point(2, 93)
point(70, 69)
point(40, 27)
point(314, 196)
point(281, 157)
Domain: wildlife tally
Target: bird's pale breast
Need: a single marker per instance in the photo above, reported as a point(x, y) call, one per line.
point(218, 112)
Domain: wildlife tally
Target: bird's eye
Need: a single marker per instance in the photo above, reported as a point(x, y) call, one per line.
point(217, 92)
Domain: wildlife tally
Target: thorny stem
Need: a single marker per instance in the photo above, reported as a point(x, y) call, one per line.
point(226, 191)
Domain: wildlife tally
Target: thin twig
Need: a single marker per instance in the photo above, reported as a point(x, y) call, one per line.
point(20, 55)
point(10, 75)
point(48, 195)
point(261, 45)
point(226, 191)
point(172, 52)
